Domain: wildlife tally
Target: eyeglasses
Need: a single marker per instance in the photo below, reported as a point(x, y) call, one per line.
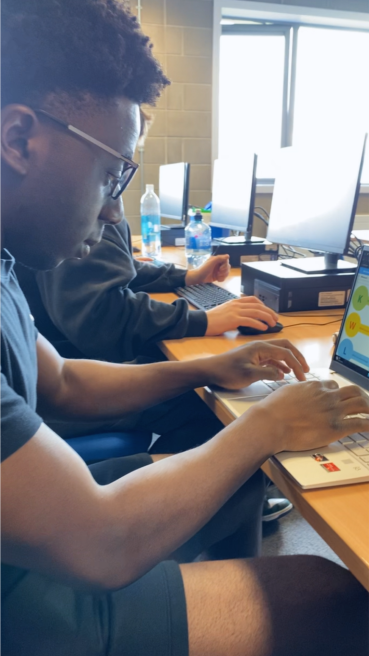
point(129, 169)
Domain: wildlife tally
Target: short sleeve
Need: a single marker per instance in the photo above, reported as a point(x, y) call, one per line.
point(18, 421)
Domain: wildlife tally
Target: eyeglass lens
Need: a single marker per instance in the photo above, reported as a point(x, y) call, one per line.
point(124, 181)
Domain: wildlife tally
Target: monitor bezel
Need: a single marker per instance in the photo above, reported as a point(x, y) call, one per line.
point(324, 249)
point(249, 222)
point(186, 190)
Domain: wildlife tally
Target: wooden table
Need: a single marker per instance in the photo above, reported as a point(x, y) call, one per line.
point(341, 514)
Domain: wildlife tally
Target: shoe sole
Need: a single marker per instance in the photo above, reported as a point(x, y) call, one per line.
point(278, 514)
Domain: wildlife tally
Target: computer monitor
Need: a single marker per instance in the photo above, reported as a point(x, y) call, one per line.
point(233, 195)
point(314, 201)
point(174, 182)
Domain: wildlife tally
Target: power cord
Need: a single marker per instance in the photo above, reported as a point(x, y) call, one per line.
point(309, 323)
point(258, 207)
point(261, 218)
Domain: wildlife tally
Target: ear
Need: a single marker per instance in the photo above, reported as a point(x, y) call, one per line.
point(18, 124)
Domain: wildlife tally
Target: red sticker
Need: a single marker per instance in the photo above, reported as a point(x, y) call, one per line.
point(330, 466)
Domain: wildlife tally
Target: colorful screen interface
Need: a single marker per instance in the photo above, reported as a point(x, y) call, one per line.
point(353, 346)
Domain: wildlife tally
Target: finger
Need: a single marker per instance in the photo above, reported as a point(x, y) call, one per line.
point(253, 306)
point(354, 406)
point(250, 322)
point(255, 302)
point(259, 315)
point(264, 373)
point(284, 355)
point(354, 425)
point(352, 391)
point(327, 384)
point(287, 344)
point(276, 363)
point(220, 259)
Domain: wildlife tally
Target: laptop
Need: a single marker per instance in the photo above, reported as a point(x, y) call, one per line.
point(346, 461)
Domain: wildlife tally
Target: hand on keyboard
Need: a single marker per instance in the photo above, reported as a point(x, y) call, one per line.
point(244, 311)
point(257, 361)
point(315, 413)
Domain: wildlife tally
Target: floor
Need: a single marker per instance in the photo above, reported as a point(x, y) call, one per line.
point(293, 535)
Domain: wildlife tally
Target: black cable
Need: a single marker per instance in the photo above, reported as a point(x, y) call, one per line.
point(261, 218)
point(258, 207)
point(308, 323)
point(284, 314)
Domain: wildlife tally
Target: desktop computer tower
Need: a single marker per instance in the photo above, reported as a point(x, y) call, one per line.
point(287, 290)
point(172, 235)
point(259, 250)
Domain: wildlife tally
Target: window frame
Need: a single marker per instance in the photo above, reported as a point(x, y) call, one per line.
point(282, 19)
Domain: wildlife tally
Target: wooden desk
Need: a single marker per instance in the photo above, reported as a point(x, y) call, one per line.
point(341, 514)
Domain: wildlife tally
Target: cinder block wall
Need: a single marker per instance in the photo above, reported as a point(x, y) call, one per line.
point(181, 31)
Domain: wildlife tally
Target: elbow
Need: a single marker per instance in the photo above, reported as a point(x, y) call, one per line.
point(100, 567)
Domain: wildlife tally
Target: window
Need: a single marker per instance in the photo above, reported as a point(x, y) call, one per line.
point(285, 82)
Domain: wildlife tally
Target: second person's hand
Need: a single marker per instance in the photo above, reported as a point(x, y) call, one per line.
point(243, 311)
point(216, 268)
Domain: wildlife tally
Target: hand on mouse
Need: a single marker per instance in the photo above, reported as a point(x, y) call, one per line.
point(244, 311)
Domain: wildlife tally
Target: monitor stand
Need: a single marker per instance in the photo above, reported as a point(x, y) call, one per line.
point(330, 263)
point(239, 241)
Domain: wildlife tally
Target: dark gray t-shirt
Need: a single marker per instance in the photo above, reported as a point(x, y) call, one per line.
point(19, 420)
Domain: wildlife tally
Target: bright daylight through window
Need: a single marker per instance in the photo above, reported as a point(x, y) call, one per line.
point(273, 93)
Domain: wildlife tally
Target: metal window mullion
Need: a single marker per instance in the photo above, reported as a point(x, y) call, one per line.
point(242, 30)
point(285, 94)
point(292, 93)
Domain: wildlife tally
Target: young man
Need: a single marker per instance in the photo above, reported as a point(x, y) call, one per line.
point(99, 307)
point(89, 554)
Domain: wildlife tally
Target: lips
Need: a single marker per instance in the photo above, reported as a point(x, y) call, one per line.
point(84, 251)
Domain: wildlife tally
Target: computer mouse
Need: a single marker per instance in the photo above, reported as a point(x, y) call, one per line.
point(247, 330)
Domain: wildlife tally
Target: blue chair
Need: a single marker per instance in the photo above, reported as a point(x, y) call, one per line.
point(93, 448)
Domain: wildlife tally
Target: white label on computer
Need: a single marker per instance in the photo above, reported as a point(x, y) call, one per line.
point(329, 299)
point(180, 241)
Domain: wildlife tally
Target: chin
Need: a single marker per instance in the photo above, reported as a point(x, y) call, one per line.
point(39, 261)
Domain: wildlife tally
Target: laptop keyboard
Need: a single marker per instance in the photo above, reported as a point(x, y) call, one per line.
point(289, 379)
point(357, 443)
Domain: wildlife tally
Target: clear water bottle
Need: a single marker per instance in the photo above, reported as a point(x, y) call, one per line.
point(150, 223)
point(198, 241)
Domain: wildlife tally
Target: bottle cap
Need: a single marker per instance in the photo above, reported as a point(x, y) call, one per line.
point(198, 216)
point(149, 187)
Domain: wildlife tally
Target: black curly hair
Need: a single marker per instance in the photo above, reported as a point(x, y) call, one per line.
point(76, 48)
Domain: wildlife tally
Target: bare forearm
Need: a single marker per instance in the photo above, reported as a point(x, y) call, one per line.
point(98, 389)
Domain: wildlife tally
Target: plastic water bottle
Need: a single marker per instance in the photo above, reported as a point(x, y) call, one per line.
point(150, 223)
point(198, 241)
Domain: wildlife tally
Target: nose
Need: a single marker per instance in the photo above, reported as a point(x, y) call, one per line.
point(112, 211)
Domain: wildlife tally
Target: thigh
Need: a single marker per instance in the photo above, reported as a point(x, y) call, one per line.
point(281, 606)
point(182, 423)
point(43, 618)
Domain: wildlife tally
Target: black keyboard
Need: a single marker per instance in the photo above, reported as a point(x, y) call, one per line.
point(205, 296)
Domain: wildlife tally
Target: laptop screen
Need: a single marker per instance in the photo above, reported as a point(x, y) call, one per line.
point(352, 349)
